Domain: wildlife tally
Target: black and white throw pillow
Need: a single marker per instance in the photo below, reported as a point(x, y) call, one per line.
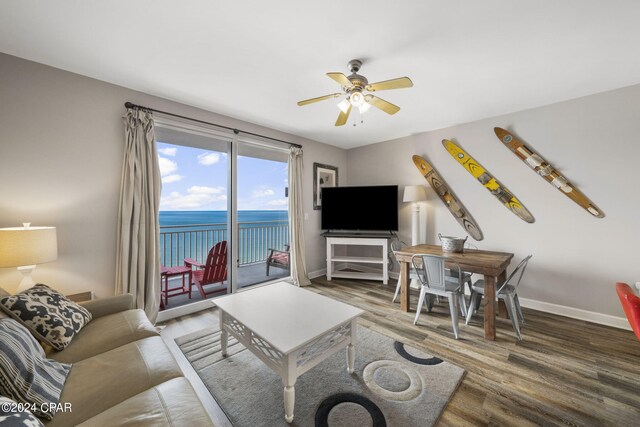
point(49, 315)
point(26, 375)
point(13, 413)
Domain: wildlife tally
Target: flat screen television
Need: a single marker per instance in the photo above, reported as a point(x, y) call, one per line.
point(373, 208)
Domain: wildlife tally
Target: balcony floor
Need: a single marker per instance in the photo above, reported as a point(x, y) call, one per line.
point(248, 275)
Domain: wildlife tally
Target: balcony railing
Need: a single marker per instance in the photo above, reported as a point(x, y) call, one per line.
point(178, 242)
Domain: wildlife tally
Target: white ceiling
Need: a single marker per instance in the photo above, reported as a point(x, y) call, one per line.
point(253, 60)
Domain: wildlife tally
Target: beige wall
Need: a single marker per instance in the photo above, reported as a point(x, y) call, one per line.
point(61, 149)
point(576, 258)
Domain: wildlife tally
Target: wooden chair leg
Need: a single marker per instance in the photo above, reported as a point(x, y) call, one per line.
point(166, 291)
point(201, 289)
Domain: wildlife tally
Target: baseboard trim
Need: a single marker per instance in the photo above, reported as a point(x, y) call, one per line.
point(547, 307)
point(577, 313)
point(317, 273)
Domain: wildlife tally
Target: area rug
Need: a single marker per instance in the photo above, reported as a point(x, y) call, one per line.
point(393, 384)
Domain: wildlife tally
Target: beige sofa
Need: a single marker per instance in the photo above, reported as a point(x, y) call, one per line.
point(124, 374)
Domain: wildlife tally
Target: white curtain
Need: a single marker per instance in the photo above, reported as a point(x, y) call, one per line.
point(296, 229)
point(138, 258)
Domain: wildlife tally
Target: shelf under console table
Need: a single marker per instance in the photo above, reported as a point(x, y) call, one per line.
point(358, 239)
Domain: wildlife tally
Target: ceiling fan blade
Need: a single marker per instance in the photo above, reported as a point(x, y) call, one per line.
point(341, 79)
point(320, 98)
point(385, 106)
point(342, 117)
point(399, 83)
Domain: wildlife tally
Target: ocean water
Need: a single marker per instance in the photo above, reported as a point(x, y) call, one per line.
point(173, 218)
point(190, 234)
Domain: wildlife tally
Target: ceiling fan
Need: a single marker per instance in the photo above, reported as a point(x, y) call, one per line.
point(353, 87)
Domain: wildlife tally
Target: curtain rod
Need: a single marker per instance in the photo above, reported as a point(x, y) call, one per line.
point(234, 130)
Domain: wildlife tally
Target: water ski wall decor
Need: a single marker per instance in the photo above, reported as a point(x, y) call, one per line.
point(447, 196)
point(546, 171)
point(488, 181)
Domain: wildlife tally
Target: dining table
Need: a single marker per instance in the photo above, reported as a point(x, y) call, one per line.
point(493, 265)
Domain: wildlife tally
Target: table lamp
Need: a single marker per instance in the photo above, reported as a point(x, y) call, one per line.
point(415, 194)
point(26, 246)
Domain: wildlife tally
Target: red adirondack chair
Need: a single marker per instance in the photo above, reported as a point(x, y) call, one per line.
point(631, 305)
point(213, 271)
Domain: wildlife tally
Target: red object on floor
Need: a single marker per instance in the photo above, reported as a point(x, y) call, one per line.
point(631, 305)
point(214, 270)
point(185, 288)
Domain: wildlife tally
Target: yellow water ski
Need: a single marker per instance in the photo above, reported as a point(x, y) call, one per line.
point(449, 199)
point(488, 181)
point(546, 171)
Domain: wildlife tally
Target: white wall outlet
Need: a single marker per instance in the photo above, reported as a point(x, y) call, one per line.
point(306, 216)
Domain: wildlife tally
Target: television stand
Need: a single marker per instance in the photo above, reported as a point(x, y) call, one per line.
point(358, 239)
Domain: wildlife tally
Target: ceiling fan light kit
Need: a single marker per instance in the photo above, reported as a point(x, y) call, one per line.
point(353, 87)
point(344, 105)
point(356, 98)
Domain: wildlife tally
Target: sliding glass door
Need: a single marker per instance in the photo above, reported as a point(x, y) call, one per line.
point(262, 212)
point(223, 214)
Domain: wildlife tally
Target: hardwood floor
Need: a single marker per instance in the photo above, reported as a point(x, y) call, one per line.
point(564, 372)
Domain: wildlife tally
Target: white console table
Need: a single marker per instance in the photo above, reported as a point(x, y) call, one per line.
point(382, 260)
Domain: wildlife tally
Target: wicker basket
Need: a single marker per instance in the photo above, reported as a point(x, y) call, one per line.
point(452, 244)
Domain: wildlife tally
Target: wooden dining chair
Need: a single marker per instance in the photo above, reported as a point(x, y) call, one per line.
point(434, 282)
point(507, 293)
point(214, 270)
point(631, 306)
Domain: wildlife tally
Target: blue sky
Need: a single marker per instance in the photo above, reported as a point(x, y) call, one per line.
point(196, 180)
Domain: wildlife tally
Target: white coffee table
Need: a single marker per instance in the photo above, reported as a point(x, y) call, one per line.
point(290, 329)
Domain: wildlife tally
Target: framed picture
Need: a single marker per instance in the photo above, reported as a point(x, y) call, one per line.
point(323, 176)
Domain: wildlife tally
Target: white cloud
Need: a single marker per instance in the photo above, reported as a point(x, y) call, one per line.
point(278, 202)
point(168, 179)
point(262, 192)
point(208, 159)
point(197, 197)
point(167, 166)
point(199, 189)
point(167, 170)
point(169, 151)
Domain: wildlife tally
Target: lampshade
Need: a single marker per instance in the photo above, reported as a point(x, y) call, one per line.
point(356, 99)
point(344, 105)
point(364, 107)
point(414, 193)
point(20, 246)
